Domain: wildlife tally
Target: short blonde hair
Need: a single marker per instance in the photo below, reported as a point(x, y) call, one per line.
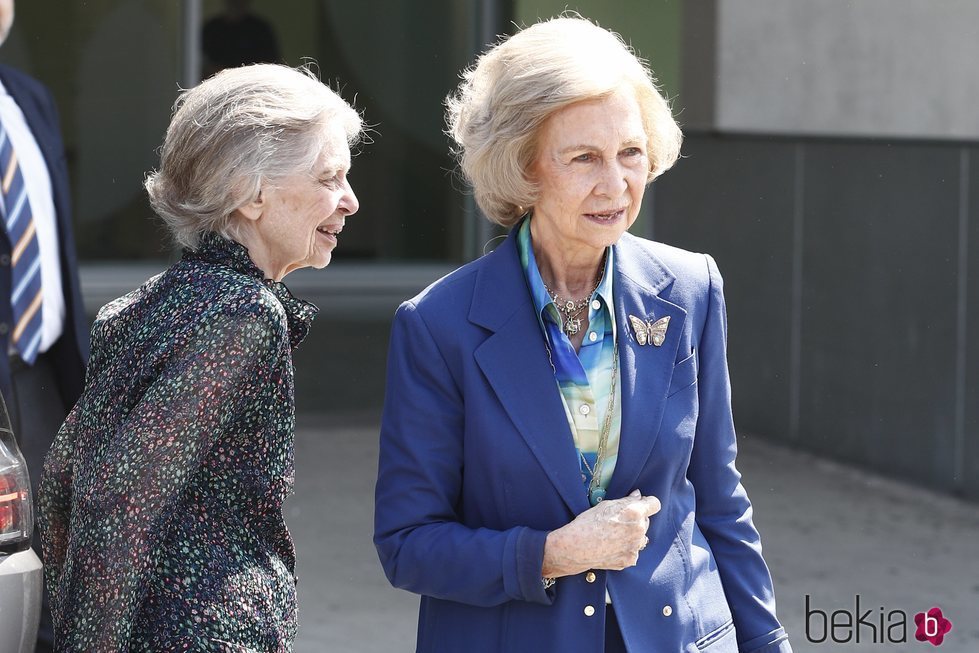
point(496, 113)
point(234, 131)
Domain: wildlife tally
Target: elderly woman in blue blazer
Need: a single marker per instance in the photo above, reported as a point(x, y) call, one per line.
point(557, 463)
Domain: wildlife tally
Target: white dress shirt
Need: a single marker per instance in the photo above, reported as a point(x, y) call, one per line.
point(38, 182)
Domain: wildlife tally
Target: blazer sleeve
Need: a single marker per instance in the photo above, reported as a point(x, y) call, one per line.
point(723, 509)
point(421, 539)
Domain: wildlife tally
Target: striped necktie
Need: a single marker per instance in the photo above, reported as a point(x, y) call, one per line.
point(25, 257)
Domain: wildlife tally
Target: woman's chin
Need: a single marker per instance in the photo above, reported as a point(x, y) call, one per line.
point(321, 261)
point(604, 232)
point(320, 256)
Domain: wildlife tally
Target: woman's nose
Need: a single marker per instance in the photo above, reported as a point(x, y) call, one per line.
point(349, 203)
point(613, 182)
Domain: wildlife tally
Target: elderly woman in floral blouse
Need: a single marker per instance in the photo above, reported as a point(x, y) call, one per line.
point(161, 501)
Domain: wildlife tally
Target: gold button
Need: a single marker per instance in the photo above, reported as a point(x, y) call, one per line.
point(590, 577)
point(589, 610)
point(596, 304)
point(667, 611)
point(592, 336)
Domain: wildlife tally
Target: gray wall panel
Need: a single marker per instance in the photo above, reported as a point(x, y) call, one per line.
point(871, 68)
point(340, 367)
point(970, 440)
point(733, 199)
point(863, 237)
point(879, 301)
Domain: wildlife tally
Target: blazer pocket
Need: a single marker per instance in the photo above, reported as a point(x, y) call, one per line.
point(714, 640)
point(684, 374)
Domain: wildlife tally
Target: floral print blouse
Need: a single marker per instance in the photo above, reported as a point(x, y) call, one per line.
point(161, 499)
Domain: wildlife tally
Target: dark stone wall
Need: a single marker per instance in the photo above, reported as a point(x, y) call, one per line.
point(340, 367)
point(969, 466)
point(849, 300)
point(704, 204)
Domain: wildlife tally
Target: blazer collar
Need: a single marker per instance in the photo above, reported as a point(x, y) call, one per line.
point(645, 370)
point(515, 360)
point(500, 288)
point(496, 295)
point(636, 263)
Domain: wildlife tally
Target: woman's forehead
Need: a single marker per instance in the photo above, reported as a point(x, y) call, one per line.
point(335, 153)
point(592, 123)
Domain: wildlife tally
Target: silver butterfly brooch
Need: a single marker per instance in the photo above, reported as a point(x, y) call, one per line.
point(646, 332)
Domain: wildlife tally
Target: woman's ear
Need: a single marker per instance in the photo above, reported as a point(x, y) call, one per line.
point(254, 209)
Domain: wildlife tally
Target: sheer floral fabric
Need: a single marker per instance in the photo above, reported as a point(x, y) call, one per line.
point(161, 502)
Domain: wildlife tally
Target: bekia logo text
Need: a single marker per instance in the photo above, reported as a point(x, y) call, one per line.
point(878, 626)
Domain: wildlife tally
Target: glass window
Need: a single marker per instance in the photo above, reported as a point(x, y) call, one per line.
point(115, 68)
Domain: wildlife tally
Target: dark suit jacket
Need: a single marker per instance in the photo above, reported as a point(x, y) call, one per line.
point(70, 352)
point(477, 465)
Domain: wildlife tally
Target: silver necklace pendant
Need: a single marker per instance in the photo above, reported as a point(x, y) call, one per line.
point(572, 326)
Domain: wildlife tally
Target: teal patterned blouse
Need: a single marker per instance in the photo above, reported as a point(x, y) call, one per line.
point(161, 499)
point(584, 378)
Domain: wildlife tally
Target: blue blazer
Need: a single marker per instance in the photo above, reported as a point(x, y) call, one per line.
point(70, 352)
point(477, 465)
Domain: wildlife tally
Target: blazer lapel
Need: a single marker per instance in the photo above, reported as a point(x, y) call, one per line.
point(646, 370)
point(516, 364)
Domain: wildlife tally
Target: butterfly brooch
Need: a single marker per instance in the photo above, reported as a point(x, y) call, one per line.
point(646, 332)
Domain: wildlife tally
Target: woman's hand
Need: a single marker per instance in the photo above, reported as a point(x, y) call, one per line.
point(607, 536)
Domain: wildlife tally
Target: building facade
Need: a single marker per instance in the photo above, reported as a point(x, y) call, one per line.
point(830, 166)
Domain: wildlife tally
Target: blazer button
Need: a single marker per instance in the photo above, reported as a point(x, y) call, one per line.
point(667, 611)
point(4, 260)
point(589, 610)
point(590, 577)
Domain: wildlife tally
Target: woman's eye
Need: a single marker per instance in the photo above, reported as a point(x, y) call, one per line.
point(331, 182)
point(584, 158)
point(632, 151)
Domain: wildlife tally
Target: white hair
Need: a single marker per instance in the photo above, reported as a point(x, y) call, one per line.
point(234, 131)
point(496, 113)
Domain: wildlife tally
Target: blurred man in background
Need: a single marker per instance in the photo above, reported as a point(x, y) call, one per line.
point(43, 329)
point(237, 37)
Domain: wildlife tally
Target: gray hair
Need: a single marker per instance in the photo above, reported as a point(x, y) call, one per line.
point(496, 113)
point(234, 131)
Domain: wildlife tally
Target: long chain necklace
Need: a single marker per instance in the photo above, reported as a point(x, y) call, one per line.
point(596, 493)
